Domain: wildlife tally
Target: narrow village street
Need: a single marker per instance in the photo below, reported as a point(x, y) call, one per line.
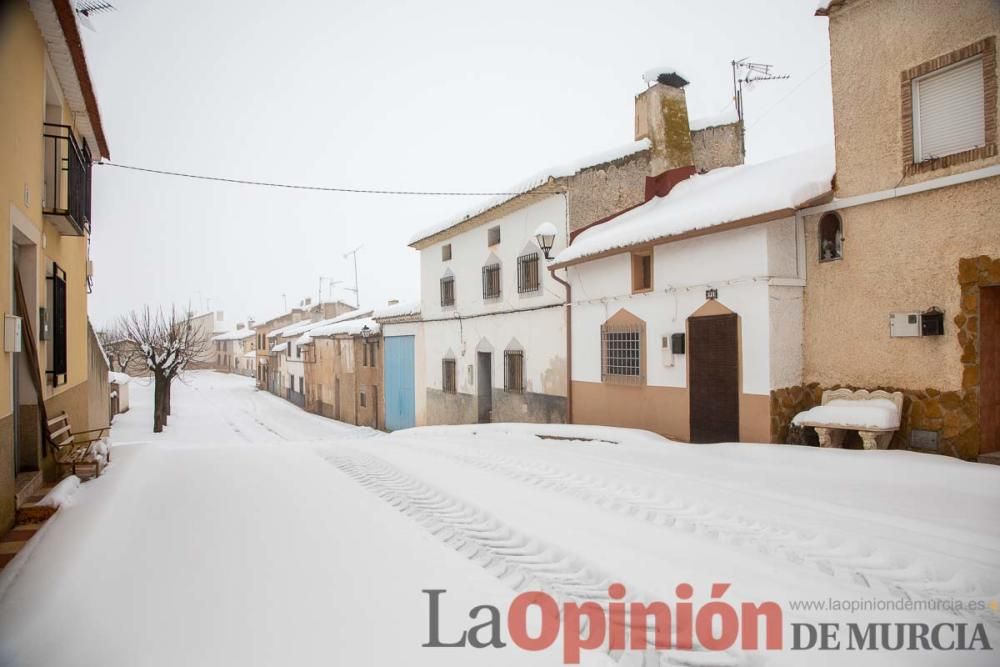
point(260, 534)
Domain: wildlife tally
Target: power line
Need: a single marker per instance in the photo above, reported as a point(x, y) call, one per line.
point(319, 188)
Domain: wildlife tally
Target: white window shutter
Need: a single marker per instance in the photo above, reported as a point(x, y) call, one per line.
point(948, 111)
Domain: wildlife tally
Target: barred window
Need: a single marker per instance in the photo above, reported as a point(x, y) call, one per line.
point(491, 281)
point(527, 273)
point(448, 375)
point(513, 371)
point(448, 291)
point(621, 354)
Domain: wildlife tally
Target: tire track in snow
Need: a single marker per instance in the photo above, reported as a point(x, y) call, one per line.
point(519, 561)
point(830, 555)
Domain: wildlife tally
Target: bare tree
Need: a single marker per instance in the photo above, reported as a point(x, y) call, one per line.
point(123, 354)
point(168, 343)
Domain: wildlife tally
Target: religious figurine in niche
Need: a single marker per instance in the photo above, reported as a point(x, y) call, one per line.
point(833, 247)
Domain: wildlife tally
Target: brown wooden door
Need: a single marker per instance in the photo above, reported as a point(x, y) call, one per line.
point(714, 375)
point(989, 369)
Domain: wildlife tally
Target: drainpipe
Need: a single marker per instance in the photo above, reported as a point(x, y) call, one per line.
point(569, 343)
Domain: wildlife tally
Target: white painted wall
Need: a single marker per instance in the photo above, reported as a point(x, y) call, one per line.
point(536, 321)
point(540, 333)
point(470, 253)
point(754, 270)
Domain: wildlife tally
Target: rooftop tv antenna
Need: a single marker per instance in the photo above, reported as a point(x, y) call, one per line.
point(87, 8)
point(746, 74)
point(357, 294)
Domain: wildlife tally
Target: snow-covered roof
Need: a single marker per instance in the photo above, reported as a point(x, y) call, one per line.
point(348, 328)
point(299, 328)
point(533, 182)
point(727, 117)
point(119, 378)
point(282, 330)
point(397, 310)
point(238, 334)
point(706, 200)
point(280, 347)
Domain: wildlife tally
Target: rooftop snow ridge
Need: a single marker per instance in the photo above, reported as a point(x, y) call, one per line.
point(706, 200)
point(536, 181)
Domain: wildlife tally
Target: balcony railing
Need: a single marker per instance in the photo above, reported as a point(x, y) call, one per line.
point(67, 180)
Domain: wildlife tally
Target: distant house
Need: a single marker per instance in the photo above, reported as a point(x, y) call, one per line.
point(493, 317)
point(207, 326)
point(235, 351)
point(904, 264)
point(344, 368)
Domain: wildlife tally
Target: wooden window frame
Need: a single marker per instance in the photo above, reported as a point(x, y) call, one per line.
point(529, 278)
point(513, 371)
point(636, 258)
point(492, 282)
point(449, 376)
point(447, 291)
point(984, 48)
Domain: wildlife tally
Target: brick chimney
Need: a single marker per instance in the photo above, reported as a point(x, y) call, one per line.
point(661, 116)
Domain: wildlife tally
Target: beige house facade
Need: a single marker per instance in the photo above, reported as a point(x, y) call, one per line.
point(50, 132)
point(913, 231)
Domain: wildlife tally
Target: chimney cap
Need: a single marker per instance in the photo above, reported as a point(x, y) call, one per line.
point(668, 76)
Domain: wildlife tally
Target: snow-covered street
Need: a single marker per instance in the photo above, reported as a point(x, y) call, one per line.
point(253, 533)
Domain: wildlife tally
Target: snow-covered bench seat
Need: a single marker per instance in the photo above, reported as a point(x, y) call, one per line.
point(874, 415)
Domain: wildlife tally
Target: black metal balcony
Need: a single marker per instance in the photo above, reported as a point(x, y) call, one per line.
point(66, 180)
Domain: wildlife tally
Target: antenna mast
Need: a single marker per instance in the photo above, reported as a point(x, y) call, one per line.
point(747, 73)
point(357, 294)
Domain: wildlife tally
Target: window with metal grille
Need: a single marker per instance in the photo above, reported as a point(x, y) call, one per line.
point(446, 252)
point(491, 281)
point(448, 375)
point(513, 371)
point(621, 354)
point(448, 291)
point(527, 273)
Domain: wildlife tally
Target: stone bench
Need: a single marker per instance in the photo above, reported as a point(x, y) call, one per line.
point(874, 415)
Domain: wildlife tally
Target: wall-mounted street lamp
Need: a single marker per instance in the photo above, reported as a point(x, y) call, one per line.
point(365, 331)
point(545, 235)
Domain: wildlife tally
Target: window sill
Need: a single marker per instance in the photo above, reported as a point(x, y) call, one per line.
point(831, 260)
point(624, 380)
point(642, 291)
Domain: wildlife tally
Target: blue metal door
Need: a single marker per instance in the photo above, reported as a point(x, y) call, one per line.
point(400, 408)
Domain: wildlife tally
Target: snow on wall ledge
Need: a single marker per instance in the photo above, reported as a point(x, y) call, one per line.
point(706, 200)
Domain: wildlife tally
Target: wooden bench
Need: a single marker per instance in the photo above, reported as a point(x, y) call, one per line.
point(76, 449)
point(843, 410)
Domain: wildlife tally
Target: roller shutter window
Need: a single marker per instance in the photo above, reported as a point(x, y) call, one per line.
point(949, 111)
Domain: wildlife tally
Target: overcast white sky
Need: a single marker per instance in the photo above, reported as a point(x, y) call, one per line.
point(430, 95)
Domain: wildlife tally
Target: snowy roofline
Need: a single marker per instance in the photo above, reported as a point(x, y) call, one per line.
point(725, 195)
point(280, 347)
point(119, 378)
point(350, 328)
point(727, 117)
point(534, 182)
point(397, 310)
point(236, 334)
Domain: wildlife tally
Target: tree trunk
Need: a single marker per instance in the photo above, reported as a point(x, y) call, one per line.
point(166, 398)
point(159, 385)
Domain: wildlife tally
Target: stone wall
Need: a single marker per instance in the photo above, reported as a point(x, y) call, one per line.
point(717, 146)
point(603, 190)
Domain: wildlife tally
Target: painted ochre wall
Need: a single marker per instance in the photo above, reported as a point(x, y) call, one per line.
point(23, 66)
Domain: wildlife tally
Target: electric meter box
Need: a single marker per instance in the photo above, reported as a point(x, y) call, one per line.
point(904, 325)
point(11, 333)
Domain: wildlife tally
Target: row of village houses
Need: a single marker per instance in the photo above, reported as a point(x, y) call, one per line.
point(665, 285)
